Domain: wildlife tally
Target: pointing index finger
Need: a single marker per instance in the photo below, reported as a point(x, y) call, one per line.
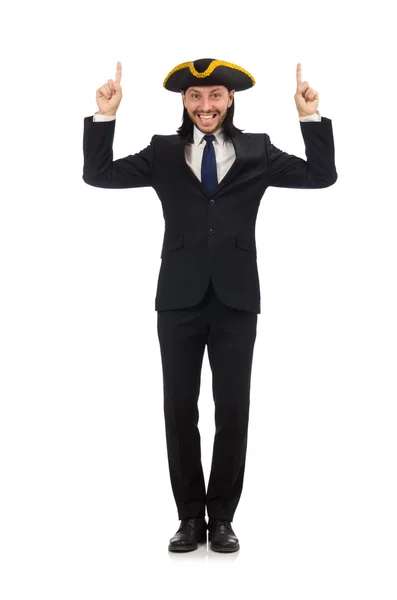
point(299, 73)
point(118, 72)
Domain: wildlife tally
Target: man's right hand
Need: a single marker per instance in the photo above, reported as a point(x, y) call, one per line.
point(108, 97)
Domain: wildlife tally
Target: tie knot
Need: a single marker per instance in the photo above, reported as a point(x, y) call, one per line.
point(209, 138)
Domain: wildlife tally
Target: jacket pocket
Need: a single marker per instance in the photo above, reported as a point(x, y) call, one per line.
point(172, 243)
point(246, 244)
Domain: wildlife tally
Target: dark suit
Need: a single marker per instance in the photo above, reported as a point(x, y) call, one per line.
point(209, 244)
point(209, 235)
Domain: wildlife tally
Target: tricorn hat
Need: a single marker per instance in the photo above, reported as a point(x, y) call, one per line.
point(208, 71)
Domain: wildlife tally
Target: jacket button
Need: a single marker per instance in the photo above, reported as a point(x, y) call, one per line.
point(212, 201)
point(210, 231)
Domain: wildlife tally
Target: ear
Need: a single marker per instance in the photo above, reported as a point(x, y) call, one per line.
point(231, 96)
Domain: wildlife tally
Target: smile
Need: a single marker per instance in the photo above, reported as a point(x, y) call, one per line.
point(206, 117)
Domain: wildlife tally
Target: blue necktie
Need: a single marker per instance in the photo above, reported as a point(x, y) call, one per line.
point(209, 177)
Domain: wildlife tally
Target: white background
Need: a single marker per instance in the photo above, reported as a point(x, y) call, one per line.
point(86, 505)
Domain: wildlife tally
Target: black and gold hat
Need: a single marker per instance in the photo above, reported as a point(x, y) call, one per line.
point(208, 71)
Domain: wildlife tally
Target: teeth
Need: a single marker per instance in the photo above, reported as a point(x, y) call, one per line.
point(205, 118)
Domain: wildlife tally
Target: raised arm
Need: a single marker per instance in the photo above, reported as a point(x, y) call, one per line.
point(318, 171)
point(99, 169)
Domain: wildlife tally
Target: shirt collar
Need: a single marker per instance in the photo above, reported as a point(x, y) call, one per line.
point(198, 136)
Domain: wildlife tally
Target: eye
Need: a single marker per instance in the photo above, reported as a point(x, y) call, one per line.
point(193, 95)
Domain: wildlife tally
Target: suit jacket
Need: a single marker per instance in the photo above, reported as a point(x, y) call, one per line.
point(209, 235)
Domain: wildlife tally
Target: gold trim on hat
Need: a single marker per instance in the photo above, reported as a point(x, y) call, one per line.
point(209, 69)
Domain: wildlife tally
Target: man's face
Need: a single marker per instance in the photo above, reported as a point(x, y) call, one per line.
point(211, 101)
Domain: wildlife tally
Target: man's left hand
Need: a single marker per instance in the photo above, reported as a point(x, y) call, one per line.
point(306, 98)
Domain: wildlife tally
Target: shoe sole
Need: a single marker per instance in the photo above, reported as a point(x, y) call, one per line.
point(187, 547)
point(216, 548)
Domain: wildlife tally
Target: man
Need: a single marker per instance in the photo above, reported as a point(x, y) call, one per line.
point(210, 178)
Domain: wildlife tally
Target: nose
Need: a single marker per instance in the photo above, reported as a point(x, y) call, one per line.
point(206, 105)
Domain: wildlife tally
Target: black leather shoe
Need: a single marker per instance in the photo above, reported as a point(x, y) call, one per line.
point(222, 536)
point(191, 532)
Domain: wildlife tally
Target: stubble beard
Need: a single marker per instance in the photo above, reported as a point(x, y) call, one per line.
point(197, 122)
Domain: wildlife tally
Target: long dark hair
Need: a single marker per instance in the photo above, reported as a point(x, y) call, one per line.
point(186, 129)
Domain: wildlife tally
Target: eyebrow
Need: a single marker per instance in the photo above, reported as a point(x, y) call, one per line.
point(214, 90)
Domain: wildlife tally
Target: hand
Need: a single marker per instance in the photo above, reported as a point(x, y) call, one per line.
point(108, 97)
point(306, 98)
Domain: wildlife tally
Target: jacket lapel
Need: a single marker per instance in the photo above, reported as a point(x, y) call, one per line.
point(241, 146)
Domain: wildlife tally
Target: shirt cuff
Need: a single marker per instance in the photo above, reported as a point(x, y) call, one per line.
point(315, 117)
point(98, 117)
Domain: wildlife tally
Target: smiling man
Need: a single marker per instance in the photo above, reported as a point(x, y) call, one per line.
point(207, 106)
point(210, 178)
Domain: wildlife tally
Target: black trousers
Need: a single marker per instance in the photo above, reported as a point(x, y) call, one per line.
point(229, 335)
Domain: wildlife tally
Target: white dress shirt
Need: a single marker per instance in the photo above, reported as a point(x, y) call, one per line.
point(225, 153)
point(224, 149)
